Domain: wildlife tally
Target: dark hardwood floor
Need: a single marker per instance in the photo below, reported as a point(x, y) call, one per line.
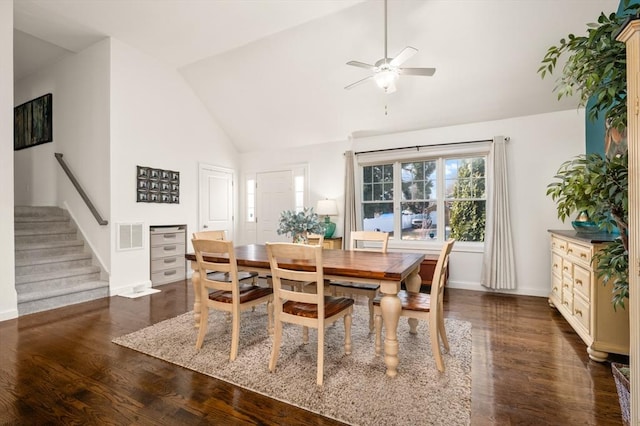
point(60, 367)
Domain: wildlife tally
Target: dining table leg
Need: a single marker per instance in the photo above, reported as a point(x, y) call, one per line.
point(195, 280)
point(391, 307)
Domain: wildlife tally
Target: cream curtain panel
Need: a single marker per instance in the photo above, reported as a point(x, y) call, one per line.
point(349, 198)
point(498, 265)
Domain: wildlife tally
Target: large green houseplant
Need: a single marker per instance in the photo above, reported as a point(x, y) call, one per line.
point(595, 70)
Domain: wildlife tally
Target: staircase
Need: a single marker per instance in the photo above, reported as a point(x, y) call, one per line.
point(53, 268)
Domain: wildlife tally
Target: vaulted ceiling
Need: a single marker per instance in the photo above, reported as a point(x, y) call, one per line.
point(272, 72)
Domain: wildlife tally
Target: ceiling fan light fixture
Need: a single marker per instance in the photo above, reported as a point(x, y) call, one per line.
point(386, 79)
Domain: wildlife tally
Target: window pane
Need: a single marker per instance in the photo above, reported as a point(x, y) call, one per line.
point(377, 198)
point(419, 221)
point(465, 220)
point(367, 192)
point(378, 217)
point(366, 174)
point(251, 186)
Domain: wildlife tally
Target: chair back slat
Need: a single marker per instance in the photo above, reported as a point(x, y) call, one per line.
point(210, 235)
point(380, 240)
point(218, 248)
point(319, 237)
point(283, 257)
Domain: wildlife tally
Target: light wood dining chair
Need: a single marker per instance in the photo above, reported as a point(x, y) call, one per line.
point(363, 241)
point(227, 295)
point(318, 240)
point(308, 309)
point(422, 306)
point(222, 235)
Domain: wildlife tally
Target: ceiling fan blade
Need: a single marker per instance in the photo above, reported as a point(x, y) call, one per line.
point(362, 65)
point(352, 85)
point(417, 71)
point(406, 53)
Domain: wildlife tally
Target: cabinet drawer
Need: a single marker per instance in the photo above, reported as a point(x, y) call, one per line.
point(167, 238)
point(167, 250)
point(579, 252)
point(556, 287)
point(581, 312)
point(582, 281)
point(558, 244)
point(171, 262)
point(567, 268)
point(168, 275)
point(567, 284)
point(556, 264)
point(567, 299)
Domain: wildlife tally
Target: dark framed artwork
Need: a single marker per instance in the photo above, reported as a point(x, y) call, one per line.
point(33, 122)
point(157, 185)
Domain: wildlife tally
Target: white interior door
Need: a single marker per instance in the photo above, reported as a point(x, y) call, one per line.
point(274, 193)
point(216, 199)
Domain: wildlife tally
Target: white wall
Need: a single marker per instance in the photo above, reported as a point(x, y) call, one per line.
point(8, 298)
point(80, 88)
point(539, 144)
point(156, 121)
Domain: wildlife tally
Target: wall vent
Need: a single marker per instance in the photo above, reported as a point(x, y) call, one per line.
point(129, 236)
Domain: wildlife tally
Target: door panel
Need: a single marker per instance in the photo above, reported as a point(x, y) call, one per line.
point(274, 193)
point(216, 199)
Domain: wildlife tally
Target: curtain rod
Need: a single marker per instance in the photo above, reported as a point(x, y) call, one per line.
point(417, 147)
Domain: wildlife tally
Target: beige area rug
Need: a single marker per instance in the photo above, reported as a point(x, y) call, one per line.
point(355, 390)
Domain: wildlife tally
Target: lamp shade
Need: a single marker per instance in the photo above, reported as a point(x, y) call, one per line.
point(327, 208)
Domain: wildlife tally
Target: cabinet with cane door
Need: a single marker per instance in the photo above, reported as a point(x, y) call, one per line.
point(167, 253)
point(580, 296)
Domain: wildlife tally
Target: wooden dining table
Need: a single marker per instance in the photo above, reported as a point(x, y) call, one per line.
point(388, 270)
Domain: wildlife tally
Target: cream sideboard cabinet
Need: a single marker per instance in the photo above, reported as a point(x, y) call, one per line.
point(579, 295)
point(167, 254)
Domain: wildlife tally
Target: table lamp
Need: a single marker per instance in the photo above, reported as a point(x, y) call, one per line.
point(327, 208)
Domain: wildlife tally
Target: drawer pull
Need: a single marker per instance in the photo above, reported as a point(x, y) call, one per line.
point(169, 236)
point(565, 285)
point(579, 282)
point(566, 268)
point(565, 303)
point(570, 251)
point(555, 266)
point(169, 248)
point(578, 312)
point(583, 255)
point(170, 261)
point(167, 273)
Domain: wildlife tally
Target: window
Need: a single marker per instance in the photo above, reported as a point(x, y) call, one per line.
point(432, 190)
point(251, 200)
point(298, 185)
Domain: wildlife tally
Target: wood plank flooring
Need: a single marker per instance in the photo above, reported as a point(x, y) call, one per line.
point(60, 367)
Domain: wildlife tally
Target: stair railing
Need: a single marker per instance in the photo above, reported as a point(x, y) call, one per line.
point(83, 194)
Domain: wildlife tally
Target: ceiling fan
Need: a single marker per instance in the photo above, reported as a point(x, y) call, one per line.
point(387, 70)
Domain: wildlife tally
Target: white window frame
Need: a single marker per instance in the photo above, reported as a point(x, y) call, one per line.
point(423, 153)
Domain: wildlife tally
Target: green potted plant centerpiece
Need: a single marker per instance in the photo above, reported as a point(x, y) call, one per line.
point(300, 224)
